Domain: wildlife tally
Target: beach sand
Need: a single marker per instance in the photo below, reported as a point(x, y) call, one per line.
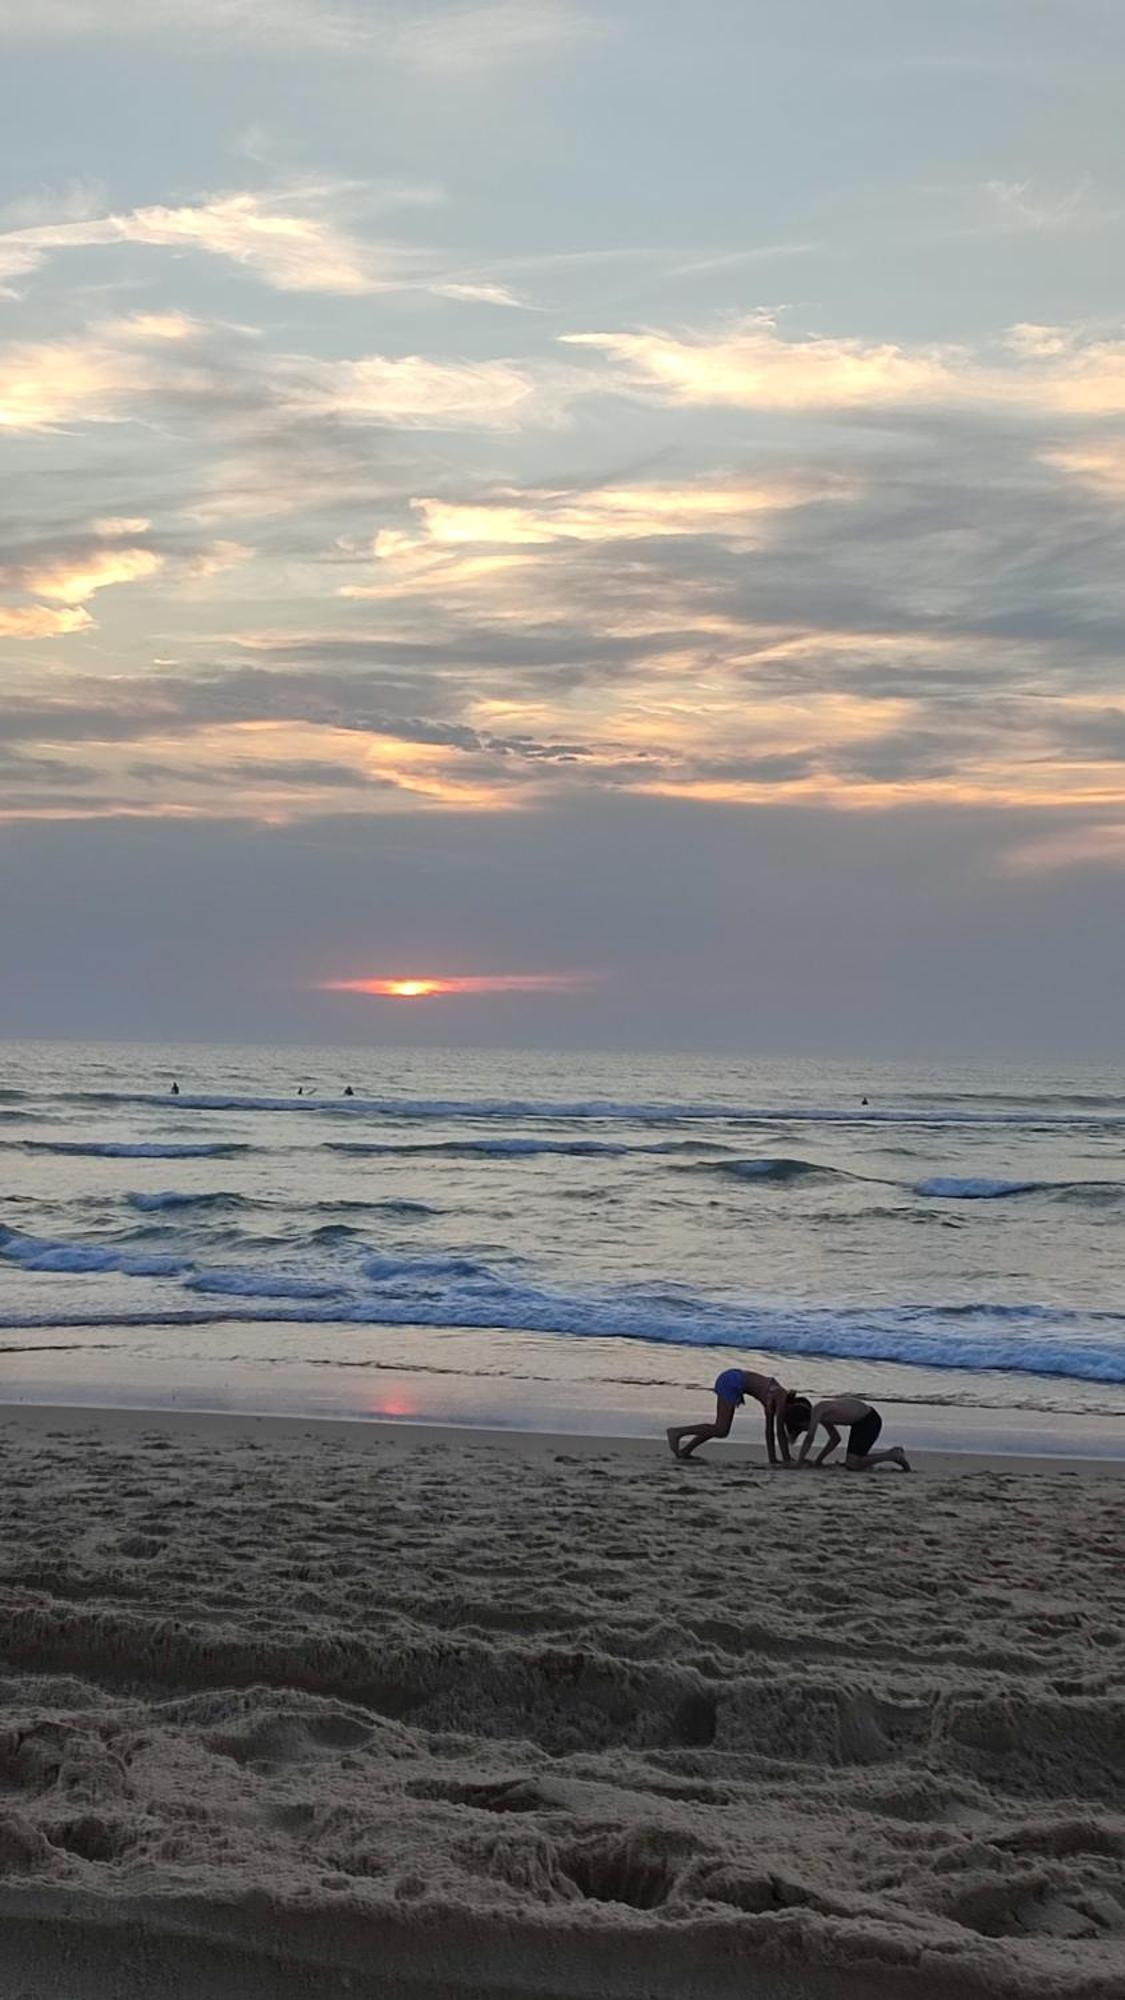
point(324, 1709)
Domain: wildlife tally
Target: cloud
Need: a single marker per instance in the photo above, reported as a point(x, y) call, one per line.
point(494, 34)
point(538, 517)
point(450, 39)
point(1022, 205)
point(286, 239)
point(169, 363)
point(754, 366)
point(1098, 466)
point(427, 395)
point(70, 568)
point(750, 364)
point(37, 621)
point(89, 378)
point(288, 23)
point(74, 584)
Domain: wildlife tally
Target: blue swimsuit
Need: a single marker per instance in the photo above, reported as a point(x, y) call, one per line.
point(730, 1387)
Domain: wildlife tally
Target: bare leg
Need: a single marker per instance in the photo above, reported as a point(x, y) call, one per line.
point(894, 1455)
point(701, 1433)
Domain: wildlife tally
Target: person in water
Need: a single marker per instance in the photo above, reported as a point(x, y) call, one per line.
point(175, 1090)
point(864, 1425)
point(731, 1389)
point(349, 1092)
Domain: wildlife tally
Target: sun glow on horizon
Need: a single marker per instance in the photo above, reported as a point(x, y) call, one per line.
point(476, 983)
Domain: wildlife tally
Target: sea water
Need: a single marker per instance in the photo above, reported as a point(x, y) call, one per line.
point(572, 1241)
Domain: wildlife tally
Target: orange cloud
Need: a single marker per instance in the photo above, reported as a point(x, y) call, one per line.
point(90, 379)
point(72, 583)
point(38, 621)
point(485, 982)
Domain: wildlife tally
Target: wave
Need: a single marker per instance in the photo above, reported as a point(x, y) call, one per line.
point(948, 1187)
point(222, 1201)
point(514, 1148)
point(384, 1268)
point(391, 1206)
point(941, 1187)
point(262, 1285)
point(113, 1149)
point(973, 1339)
point(35, 1253)
point(155, 1203)
point(781, 1170)
point(952, 1187)
point(951, 1111)
point(359, 1284)
point(976, 1338)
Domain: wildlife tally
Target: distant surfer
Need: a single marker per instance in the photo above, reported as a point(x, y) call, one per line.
point(864, 1425)
point(349, 1092)
point(731, 1389)
point(863, 1100)
point(175, 1090)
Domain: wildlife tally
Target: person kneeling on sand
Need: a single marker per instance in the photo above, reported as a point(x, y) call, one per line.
point(864, 1426)
point(732, 1388)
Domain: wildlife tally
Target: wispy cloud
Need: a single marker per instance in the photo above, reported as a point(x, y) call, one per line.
point(752, 364)
point(287, 238)
point(536, 518)
point(90, 378)
point(1026, 205)
point(493, 34)
point(142, 364)
point(461, 35)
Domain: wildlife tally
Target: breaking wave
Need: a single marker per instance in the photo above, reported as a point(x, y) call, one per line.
point(453, 1289)
point(953, 1187)
point(36, 1253)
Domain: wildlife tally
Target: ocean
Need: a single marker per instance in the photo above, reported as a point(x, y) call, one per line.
point(572, 1242)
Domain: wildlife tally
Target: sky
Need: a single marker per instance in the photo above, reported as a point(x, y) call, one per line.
point(610, 513)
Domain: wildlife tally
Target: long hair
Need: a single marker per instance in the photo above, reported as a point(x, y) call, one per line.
point(797, 1414)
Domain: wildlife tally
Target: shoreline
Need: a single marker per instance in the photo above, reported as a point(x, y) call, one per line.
point(123, 1422)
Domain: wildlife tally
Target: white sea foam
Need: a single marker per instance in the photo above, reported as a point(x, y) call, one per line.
point(40, 1254)
point(455, 1290)
point(261, 1285)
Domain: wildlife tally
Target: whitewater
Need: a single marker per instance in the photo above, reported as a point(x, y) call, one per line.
point(575, 1240)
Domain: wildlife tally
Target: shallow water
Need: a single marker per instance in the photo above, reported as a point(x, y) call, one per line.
point(597, 1229)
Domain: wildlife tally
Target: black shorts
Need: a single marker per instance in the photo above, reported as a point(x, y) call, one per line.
point(862, 1436)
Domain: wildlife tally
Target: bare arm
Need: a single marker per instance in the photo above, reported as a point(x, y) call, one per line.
point(806, 1441)
point(833, 1441)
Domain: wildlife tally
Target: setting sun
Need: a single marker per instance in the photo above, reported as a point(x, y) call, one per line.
point(458, 985)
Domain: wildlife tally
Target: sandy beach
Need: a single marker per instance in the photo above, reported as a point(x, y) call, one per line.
point(323, 1709)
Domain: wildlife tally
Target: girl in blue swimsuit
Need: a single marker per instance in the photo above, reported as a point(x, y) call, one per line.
point(731, 1389)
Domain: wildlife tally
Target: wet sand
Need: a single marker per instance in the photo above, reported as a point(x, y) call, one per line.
point(312, 1708)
